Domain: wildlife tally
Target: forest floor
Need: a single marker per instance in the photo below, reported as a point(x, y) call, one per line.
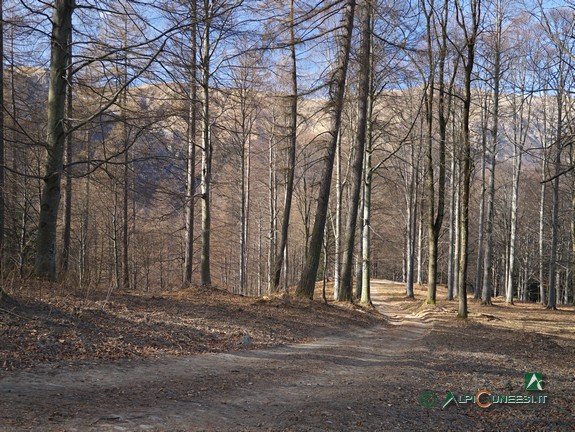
point(208, 360)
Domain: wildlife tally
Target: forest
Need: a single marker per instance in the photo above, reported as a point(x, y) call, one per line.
point(256, 145)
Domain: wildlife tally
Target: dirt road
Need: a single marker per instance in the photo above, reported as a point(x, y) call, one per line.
point(369, 380)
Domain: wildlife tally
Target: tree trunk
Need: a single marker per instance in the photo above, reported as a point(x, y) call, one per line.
point(272, 235)
point(481, 225)
point(411, 202)
point(471, 37)
point(435, 218)
point(191, 156)
point(2, 160)
point(521, 127)
point(361, 211)
point(345, 292)
point(509, 291)
point(420, 244)
point(487, 289)
point(366, 229)
point(68, 202)
point(452, 224)
point(45, 267)
point(337, 89)
point(126, 174)
point(245, 201)
point(282, 246)
point(337, 230)
point(552, 299)
point(206, 278)
point(544, 157)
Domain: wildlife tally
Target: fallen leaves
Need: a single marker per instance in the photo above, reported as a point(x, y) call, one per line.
point(66, 328)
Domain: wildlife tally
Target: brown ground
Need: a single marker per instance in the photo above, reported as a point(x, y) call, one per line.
point(127, 364)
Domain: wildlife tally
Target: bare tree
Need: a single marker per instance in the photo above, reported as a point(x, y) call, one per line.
point(470, 30)
point(345, 291)
point(289, 187)
point(337, 89)
point(487, 289)
point(2, 159)
point(55, 142)
point(191, 150)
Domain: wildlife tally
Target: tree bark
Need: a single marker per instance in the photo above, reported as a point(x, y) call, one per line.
point(552, 297)
point(68, 202)
point(452, 224)
point(45, 267)
point(337, 89)
point(487, 289)
point(206, 278)
point(191, 156)
point(337, 228)
point(481, 225)
point(2, 176)
point(435, 218)
point(469, 61)
point(345, 292)
point(272, 235)
point(282, 246)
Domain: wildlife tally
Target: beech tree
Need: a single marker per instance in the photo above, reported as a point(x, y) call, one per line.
point(345, 289)
point(56, 138)
point(469, 24)
point(337, 88)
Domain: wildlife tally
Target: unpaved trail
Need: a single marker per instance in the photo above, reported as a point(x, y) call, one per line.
point(274, 388)
point(366, 380)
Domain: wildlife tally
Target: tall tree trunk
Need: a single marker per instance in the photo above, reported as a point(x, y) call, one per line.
point(420, 224)
point(245, 200)
point(45, 267)
point(367, 179)
point(544, 158)
point(125, 213)
point(542, 299)
point(361, 211)
point(470, 40)
point(345, 292)
point(572, 156)
point(206, 278)
point(487, 289)
point(337, 228)
point(126, 169)
point(411, 202)
point(521, 128)
point(68, 202)
point(435, 218)
point(282, 246)
point(481, 225)
point(509, 291)
point(272, 235)
point(243, 222)
point(337, 89)
point(115, 236)
point(191, 156)
point(552, 298)
point(451, 266)
point(83, 273)
point(366, 231)
point(430, 180)
point(2, 161)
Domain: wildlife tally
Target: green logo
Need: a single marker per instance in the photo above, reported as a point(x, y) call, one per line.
point(428, 399)
point(534, 381)
point(449, 399)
